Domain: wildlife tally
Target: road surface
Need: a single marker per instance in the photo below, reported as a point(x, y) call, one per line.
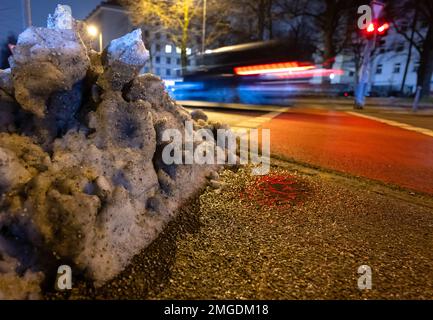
point(387, 146)
point(232, 244)
point(300, 232)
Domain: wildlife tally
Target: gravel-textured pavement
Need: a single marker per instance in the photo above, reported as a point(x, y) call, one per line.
point(305, 243)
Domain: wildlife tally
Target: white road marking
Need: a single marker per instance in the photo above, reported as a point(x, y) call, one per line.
point(258, 121)
point(427, 132)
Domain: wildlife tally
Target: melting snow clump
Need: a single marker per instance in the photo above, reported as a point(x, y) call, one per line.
point(82, 182)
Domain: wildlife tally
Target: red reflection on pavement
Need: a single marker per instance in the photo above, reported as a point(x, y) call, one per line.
point(273, 190)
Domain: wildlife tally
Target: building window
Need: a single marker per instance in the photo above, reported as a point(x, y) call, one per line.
point(168, 48)
point(157, 59)
point(157, 71)
point(351, 73)
point(158, 48)
point(379, 69)
point(400, 47)
point(397, 67)
point(178, 51)
point(178, 73)
point(168, 60)
point(168, 72)
point(178, 61)
point(157, 36)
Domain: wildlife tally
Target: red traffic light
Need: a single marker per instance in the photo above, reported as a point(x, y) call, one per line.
point(382, 29)
point(371, 28)
point(376, 28)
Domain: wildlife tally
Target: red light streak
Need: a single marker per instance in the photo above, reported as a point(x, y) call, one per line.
point(271, 68)
point(316, 72)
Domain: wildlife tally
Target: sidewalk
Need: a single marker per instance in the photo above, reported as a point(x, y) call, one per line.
point(299, 233)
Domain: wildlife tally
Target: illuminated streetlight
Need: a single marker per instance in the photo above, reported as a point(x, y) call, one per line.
point(94, 32)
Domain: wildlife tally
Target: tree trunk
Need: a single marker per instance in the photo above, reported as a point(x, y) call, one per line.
point(261, 20)
point(184, 42)
point(269, 18)
point(425, 71)
point(329, 54)
point(183, 57)
point(329, 50)
point(409, 55)
point(329, 28)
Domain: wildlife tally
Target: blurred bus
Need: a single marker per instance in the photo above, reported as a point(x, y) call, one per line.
point(271, 72)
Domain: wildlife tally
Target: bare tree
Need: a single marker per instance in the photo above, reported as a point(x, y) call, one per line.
point(261, 14)
point(332, 21)
point(294, 25)
point(219, 28)
point(175, 16)
point(418, 14)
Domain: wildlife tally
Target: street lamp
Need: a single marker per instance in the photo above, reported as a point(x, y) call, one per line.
point(94, 32)
point(203, 38)
point(27, 13)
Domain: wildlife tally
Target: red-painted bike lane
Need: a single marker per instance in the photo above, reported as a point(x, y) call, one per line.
point(355, 145)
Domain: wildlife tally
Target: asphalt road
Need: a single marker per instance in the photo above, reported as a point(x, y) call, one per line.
point(306, 241)
point(397, 149)
point(299, 232)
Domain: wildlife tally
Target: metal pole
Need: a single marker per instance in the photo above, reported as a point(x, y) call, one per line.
point(27, 13)
point(417, 98)
point(203, 39)
point(100, 42)
point(364, 75)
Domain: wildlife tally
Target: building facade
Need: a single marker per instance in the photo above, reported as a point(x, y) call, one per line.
point(388, 66)
point(113, 22)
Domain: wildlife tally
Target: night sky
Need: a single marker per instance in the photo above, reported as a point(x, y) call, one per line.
point(11, 16)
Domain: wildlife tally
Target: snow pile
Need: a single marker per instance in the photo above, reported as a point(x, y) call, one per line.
point(82, 181)
point(123, 61)
point(46, 61)
point(61, 19)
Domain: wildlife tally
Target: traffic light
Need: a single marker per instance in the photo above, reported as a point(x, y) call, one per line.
point(371, 28)
point(383, 29)
point(377, 28)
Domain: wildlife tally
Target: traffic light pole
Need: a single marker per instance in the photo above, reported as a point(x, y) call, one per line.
point(364, 74)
